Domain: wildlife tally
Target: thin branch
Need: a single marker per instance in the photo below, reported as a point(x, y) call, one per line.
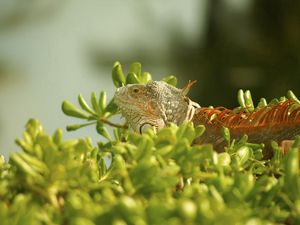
point(102, 120)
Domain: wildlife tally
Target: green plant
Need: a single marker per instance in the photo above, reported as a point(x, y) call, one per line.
point(152, 178)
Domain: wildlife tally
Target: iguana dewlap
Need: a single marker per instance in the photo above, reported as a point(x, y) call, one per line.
point(157, 103)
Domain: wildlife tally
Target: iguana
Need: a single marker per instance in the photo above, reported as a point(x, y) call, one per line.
point(157, 103)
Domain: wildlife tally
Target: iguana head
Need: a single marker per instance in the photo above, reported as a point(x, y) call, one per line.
point(154, 105)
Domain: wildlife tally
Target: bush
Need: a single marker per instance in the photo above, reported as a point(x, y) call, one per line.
point(152, 178)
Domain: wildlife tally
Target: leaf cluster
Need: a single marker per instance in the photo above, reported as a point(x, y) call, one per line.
point(246, 104)
point(98, 111)
point(151, 178)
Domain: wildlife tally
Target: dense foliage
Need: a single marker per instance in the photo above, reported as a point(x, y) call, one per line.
point(151, 179)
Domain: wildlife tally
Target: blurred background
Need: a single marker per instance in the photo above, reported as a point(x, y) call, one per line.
point(52, 50)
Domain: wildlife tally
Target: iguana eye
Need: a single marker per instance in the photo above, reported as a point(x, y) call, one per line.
point(135, 90)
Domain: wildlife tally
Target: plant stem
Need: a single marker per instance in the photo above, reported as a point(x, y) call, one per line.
point(103, 120)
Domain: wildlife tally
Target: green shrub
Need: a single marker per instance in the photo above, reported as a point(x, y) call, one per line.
point(152, 178)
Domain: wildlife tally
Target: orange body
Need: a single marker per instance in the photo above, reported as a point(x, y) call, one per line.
point(277, 122)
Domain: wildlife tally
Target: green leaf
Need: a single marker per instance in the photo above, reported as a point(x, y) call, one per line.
point(102, 101)
point(103, 131)
point(145, 77)
point(144, 149)
point(94, 102)
point(35, 163)
point(117, 168)
point(243, 154)
point(248, 101)
point(24, 145)
point(103, 168)
point(291, 166)
point(68, 144)
point(34, 128)
point(291, 95)
point(84, 105)
point(186, 130)
point(118, 75)
point(224, 159)
point(262, 103)
point(199, 130)
point(24, 166)
point(74, 127)
point(116, 134)
point(132, 78)
point(188, 209)
point(241, 99)
point(171, 79)
point(136, 68)
point(274, 101)
point(226, 135)
point(71, 110)
point(57, 136)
